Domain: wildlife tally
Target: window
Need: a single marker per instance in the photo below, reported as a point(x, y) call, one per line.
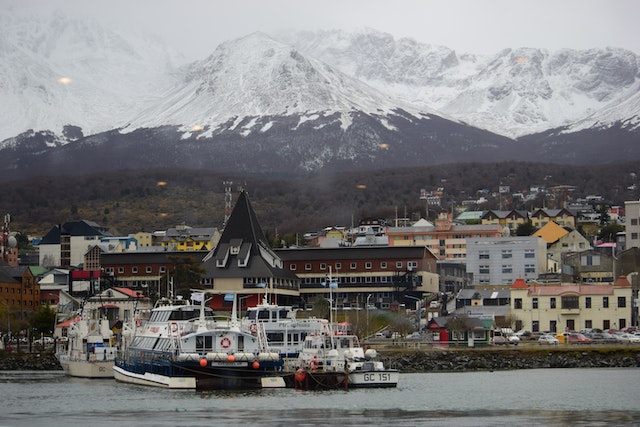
point(507, 269)
point(535, 326)
point(552, 303)
point(517, 303)
point(367, 265)
point(622, 302)
point(529, 268)
point(605, 303)
point(353, 266)
point(590, 260)
point(413, 265)
point(570, 302)
point(587, 302)
point(293, 267)
point(634, 221)
point(483, 255)
point(506, 253)
point(484, 269)
point(534, 302)
point(134, 269)
point(588, 324)
point(149, 270)
point(383, 264)
point(323, 266)
point(529, 253)
point(338, 266)
point(163, 269)
point(120, 270)
point(606, 324)
point(307, 267)
point(399, 264)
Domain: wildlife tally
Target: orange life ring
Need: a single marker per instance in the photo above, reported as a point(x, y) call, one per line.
point(253, 328)
point(174, 327)
point(313, 364)
point(225, 342)
point(138, 322)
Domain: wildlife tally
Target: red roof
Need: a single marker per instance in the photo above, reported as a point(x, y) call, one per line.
point(67, 323)
point(519, 284)
point(130, 293)
point(622, 281)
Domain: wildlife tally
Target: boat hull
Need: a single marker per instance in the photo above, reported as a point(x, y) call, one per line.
point(193, 376)
point(87, 369)
point(327, 380)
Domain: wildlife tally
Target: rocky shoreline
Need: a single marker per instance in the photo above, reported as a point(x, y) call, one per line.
point(432, 360)
point(460, 360)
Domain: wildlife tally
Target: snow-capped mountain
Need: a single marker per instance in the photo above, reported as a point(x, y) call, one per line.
point(515, 92)
point(256, 76)
point(58, 71)
point(77, 93)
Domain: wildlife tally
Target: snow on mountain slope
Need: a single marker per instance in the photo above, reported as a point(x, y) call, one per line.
point(257, 76)
point(515, 92)
point(57, 71)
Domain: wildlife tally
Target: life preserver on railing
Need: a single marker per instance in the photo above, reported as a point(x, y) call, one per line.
point(253, 328)
point(138, 322)
point(174, 327)
point(313, 364)
point(225, 342)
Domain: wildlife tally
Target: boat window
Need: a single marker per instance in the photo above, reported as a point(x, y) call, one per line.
point(251, 315)
point(263, 315)
point(204, 342)
point(283, 314)
point(275, 337)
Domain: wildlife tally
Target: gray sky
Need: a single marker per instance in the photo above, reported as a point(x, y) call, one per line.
point(477, 26)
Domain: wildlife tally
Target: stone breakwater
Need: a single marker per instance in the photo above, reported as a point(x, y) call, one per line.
point(505, 359)
point(432, 360)
point(28, 362)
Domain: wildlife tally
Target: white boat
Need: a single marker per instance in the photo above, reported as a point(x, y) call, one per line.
point(335, 360)
point(284, 331)
point(91, 347)
point(183, 346)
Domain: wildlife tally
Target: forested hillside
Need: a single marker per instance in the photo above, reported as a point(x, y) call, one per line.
point(133, 201)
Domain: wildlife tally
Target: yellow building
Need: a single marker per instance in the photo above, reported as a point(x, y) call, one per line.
point(571, 307)
point(184, 238)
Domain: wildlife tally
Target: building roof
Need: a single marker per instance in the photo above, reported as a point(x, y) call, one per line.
point(76, 228)
point(483, 293)
point(551, 232)
point(559, 290)
point(243, 249)
point(358, 252)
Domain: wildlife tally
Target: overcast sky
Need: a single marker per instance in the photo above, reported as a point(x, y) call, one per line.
point(477, 26)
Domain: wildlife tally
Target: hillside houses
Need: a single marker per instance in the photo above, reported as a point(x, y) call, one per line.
point(371, 264)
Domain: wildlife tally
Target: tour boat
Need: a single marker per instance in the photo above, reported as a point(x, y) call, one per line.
point(183, 346)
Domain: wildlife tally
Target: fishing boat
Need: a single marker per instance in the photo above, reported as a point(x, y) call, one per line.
point(336, 360)
point(184, 346)
point(91, 347)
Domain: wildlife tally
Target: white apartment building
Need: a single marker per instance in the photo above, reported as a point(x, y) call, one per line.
point(502, 260)
point(632, 224)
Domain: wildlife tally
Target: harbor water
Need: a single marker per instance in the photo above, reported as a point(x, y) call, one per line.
point(549, 397)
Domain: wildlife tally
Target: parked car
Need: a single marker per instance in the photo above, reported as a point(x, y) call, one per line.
point(44, 340)
point(576, 338)
point(548, 339)
point(498, 338)
point(602, 338)
point(628, 338)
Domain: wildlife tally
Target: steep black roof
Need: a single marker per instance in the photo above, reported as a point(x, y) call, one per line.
point(243, 249)
point(75, 228)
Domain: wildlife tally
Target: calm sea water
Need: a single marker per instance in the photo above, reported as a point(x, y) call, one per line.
point(550, 397)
